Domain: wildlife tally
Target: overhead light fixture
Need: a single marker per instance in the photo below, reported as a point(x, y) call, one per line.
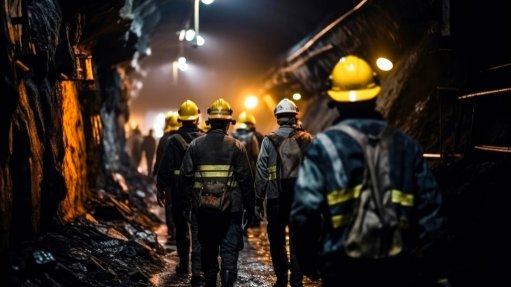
point(182, 34)
point(297, 96)
point(207, 2)
point(199, 40)
point(190, 35)
point(384, 64)
point(182, 64)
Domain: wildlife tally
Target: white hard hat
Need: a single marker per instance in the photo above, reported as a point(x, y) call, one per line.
point(285, 106)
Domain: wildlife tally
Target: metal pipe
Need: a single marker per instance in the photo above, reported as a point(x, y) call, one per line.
point(492, 148)
point(485, 93)
point(196, 17)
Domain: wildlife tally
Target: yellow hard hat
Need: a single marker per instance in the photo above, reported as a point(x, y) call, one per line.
point(204, 126)
point(353, 80)
point(246, 117)
point(189, 111)
point(171, 122)
point(220, 110)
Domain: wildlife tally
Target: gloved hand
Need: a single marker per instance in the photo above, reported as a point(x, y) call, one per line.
point(259, 209)
point(160, 197)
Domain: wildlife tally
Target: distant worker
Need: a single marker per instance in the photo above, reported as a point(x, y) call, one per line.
point(135, 144)
point(365, 200)
point(246, 136)
point(203, 126)
point(277, 169)
point(171, 192)
point(250, 120)
point(149, 148)
point(172, 124)
point(249, 140)
point(217, 175)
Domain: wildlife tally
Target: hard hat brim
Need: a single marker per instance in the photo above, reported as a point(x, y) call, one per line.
point(354, 95)
point(171, 129)
point(188, 118)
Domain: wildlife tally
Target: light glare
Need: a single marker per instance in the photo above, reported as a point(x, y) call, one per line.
point(182, 35)
point(384, 64)
point(190, 35)
point(182, 64)
point(207, 2)
point(297, 96)
point(200, 40)
point(251, 102)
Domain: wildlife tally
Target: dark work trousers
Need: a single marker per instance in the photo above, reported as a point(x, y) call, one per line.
point(182, 233)
point(169, 219)
point(278, 212)
point(219, 234)
point(196, 257)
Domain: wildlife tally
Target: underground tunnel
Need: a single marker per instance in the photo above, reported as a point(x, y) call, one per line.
point(78, 78)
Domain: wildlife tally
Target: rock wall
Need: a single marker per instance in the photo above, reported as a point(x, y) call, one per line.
point(63, 106)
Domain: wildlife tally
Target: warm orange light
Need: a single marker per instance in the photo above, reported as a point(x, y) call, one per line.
point(251, 102)
point(269, 101)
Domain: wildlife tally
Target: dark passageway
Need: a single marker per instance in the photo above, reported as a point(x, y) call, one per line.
point(79, 79)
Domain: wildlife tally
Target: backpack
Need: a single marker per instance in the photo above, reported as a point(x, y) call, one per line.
point(373, 231)
point(290, 153)
point(215, 196)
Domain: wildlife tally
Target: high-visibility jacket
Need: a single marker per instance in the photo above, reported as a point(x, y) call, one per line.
point(169, 167)
point(217, 156)
point(327, 187)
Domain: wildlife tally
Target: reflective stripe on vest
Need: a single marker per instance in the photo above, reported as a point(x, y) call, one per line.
point(401, 198)
point(340, 220)
point(209, 172)
point(213, 170)
point(342, 196)
point(272, 172)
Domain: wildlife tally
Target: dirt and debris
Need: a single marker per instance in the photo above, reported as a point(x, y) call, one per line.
point(113, 244)
point(120, 241)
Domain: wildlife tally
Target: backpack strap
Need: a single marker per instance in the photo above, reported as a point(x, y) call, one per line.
point(300, 137)
point(276, 141)
point(373, 147)
point(182, 142)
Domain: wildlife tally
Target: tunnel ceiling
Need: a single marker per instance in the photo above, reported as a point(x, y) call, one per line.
point(250, 38)
point(477, 32)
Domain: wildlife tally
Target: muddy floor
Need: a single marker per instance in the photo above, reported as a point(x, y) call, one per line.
point(254, 262)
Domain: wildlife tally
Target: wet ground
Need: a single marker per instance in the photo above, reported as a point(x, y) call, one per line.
point(255, 268)
point(120, 242)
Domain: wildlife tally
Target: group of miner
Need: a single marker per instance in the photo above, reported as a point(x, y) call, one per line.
point(358, 200)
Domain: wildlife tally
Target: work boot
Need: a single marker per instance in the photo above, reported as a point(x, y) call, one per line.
point(197, 280)
point(228, 277)
point(296, 280)
point(281, 281)
point(210, 280)
point(182, 269)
